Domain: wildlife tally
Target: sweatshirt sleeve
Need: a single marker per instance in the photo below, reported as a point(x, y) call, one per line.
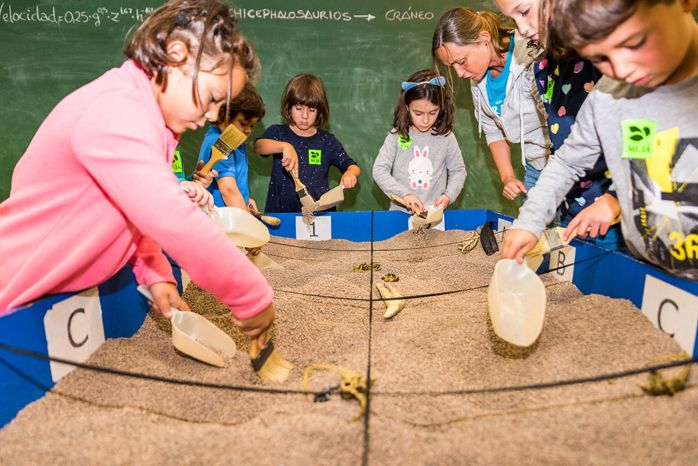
point(577, 155)
point(493, 133)
point(383, 167)
point(340, 158)
point(455, 168)
point(124, 148)
point(149, 264)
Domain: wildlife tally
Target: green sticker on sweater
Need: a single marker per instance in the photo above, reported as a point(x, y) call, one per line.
point(404, 142)
point(549, 89)
point(315, 156)
point(638, 138)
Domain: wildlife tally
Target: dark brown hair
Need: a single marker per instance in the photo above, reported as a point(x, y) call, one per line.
point(437, 95)
point(248, 103)
point(306, 89)
point(209, 30)
point(576, 23)
point(462, 25)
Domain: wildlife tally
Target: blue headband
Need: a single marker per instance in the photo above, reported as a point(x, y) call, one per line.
point(437, 81)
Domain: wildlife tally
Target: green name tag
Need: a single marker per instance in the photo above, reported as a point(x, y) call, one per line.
point(177, 162)
point(549, 89)
point(404, 142)
point(314, 156)
point(638, 138)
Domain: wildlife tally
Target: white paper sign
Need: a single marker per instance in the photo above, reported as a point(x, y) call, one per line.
point(503, 224)
point(563, 261)
point(74, 330)
point(672, 310)
point(320, 229)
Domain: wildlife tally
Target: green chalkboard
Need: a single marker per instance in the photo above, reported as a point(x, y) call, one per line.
point(361, 49)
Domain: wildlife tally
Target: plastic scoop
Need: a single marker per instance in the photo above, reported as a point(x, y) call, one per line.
point(516, 297)
point(434, 216)
point(195, 336)
point(240, 226)
point(331, 198)
point(262, 261)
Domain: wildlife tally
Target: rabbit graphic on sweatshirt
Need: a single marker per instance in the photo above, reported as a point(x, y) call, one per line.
point(420, 169)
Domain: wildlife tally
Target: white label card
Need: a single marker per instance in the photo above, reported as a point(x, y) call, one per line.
point(320, 229)
point(672, 310)
point(74, 330)
point(562, 262)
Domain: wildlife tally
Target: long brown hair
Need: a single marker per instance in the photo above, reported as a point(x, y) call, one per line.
point(209, 29)
point(306, 89)
point(437, 95)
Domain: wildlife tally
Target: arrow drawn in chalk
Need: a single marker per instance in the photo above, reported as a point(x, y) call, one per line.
point(368, 17)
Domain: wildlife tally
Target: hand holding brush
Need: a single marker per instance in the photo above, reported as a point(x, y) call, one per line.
point(267, 363)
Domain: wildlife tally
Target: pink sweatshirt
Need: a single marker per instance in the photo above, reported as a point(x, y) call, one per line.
point(95, 190)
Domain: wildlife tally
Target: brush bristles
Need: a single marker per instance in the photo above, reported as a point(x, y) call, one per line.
point(270, 366)
point(275, 369)
point(233, 137)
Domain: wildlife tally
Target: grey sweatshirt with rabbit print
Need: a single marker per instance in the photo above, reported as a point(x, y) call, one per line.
point(426, 166)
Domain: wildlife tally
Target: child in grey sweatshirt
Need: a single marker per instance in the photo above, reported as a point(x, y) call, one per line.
point(642, 117)
point(420, 160)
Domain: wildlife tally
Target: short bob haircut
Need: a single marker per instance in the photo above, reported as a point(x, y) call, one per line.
point(577, 23)
point(306, 89)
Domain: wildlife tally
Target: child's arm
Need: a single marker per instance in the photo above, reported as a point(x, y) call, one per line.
point(456, 173)
point(289, 158)
point(231, 193)
point(595, 219)
point(351, 176)
point(383, 167)
point(579, 153)
point(197, 194)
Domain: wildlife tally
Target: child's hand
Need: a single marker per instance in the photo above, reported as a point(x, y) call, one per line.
point(349, 180)
point(256, 326)
point(198, 194)
point(414, 204)
point(517, 243)
point(166, 295)
point(204, 180)
point(442, 200)
point(289, 158)
point(252, 205)
point(595, 219)
point(513, 187)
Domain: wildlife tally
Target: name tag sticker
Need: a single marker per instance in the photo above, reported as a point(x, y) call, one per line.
point(638, 138)
point(315, 156)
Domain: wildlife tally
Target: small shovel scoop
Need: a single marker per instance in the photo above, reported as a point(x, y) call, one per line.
point(195, 336)
point(240, 226)
point(331, 198)
point(434, 217)
point(517, 301)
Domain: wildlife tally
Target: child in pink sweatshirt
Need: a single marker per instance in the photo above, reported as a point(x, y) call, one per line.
point(95, 188)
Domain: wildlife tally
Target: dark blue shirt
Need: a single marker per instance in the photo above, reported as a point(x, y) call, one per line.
point(316, 154)
point(563, 87)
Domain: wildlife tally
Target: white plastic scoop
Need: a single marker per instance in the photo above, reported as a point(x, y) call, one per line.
point(331, 198)
point(240, 226)
point(195, 336)
point(434, 216)
point(516, 297)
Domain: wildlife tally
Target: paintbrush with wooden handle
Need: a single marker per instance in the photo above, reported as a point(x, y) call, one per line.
point(230, 139)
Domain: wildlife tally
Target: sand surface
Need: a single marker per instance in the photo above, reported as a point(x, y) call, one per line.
point(435, 345)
